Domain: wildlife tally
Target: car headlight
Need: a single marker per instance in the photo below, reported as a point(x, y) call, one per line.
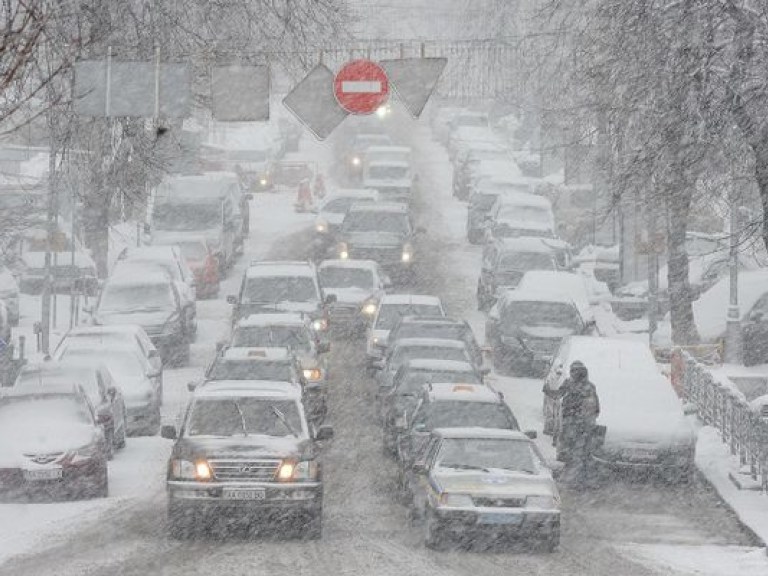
point(291, 471)
point(188, 470)
point(321, 226)
point(263, 181)
point(407, 253)
point(541, 502)
point(343, 251)
point(320, 324)
point(312, 374)
point(356, 161)
point(456, 500)
point(369, 308)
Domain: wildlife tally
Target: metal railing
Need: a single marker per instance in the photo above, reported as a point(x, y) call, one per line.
point(741, 427)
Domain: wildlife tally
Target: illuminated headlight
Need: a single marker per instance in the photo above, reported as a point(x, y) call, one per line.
point(356, 161)
point(382, 111)
point(297, 471)
point(320, 324)
point(456, 500)
point(263, 181)
point(343, 251)
point(321, 227)
point(407, 253)
point(369, 308)
point(188, 470)
point(542, 502)
point(312, 374)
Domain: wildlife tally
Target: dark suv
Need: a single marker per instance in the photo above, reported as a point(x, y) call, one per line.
point(438, 327)
point(245, 450)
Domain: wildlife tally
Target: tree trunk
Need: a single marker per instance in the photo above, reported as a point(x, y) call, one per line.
point(96, 225)
point(760, 150)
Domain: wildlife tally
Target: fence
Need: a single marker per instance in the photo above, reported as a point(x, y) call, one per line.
point(741, 427)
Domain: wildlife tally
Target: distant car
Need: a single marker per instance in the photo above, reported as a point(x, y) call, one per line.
point(440, 327)
point(50, 442)
point(282, 286)
point(380, 232)
point(468, 482)
point(645, 421)
point(450, 405)
point(354, 161)
point(201, 261)
point(467, 158)
point(95, 337)
point(99, 386)
point(331, 212)
point(521, 214)
point(482, 199)
point(9, 295)
point(152, 301)
point(391, 308)
point(504, 264)
point(524, 329)
point(245, 451)
point(80, 276)
point(141, 388)
point(358, 286)
point(392, 179)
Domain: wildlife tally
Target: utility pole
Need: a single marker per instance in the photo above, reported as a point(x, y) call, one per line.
point(733, 341)
point(53, 209)
point(653, 272)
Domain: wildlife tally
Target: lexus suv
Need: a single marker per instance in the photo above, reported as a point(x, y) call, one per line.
point(245, 450)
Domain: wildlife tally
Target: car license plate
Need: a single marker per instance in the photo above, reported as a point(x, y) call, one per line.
point(492, 518)
point(44, 474)
point(238, 494)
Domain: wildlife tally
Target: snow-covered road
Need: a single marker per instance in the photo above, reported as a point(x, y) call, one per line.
point(626, 529)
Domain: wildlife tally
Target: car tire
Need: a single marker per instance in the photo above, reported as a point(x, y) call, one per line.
point(101, 482)
point(180, 525)
point(313, 526)
point(434, 537)
point(552, 540)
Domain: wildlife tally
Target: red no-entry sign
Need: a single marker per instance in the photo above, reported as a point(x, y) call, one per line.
point(361, 86)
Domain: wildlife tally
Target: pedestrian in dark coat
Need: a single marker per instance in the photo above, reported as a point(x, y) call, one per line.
point(579, 409)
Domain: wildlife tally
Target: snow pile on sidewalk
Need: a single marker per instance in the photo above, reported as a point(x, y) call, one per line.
point(700, 560)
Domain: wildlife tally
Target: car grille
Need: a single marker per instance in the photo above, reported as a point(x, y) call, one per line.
point(542, 345)
point(244, 469)
point(46, 458)
point(343, 312)
point(490, 502)
point(380, 255)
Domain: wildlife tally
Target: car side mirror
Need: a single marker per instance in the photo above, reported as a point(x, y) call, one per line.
point(168, 431)
point(323, 348)
point(531, 434)
point(331, 299)
point(231, 299)
point(324, 432)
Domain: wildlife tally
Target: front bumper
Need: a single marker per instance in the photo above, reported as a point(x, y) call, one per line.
point(270, 496)
point(661, 465)
point(79, 480)
point(522, 521)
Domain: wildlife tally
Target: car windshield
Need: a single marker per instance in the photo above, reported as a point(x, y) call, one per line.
point(193, 251)
point(389, 314)
point(377, 221)
point(441, 331)
point(292, 337)
point(46, 418)
point(525, 261)
point(136, 298)
point(179, 217)
point(228, 369)
point(169, 267)
point(415, 379)
point(523, 213)
point(124, 366)
point(387, 172)
point(244, 416)
point(483, 201)
point(531, 313)
point(457, 414)
point(340, 277)
point(67, 376)
point(403, 354)
point(487, 453)
point(275, 289)
point(340, 205)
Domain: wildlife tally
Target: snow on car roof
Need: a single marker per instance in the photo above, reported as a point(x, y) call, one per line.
point(267, 269)
point(462, 392)
point(352, 264)
point(431, 319)
point(281, 319)
point(128, 276)
point(397, 163)
point(519, 295)
point(415, 299)
point(569, 284)
point(379, 207)
point(524, 244)
point(505, 168)
point(481, 433)
point(429, 343)
point(250, 388)
point(440, 365)
point(711, 308)
point(257, 354)
point(524, 199)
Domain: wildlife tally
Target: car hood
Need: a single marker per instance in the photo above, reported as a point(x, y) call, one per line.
point(143, 319)
point(136, 391)
point(374, 239)
point(495, 482)
point(331, 218)
point(350, 295)
point(243, 447)
point(554, 332)
point(306, 307)
point(45, 440)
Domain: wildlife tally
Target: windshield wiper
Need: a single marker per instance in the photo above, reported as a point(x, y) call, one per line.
point(242, 419)
point(283, 420)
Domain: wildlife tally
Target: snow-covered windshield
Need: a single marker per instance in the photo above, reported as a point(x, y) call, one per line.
point(38, 416)
point(486, 454)
point(243, 417)
point(403, 354)
point(181, 217)
point(292, 337)
point(275, 289)
point(136, 297)
point(376, 221)
point(389, 314)
point(534, 313)
point(525, 261)
point(230, 369)
point(384, 172)
point(345, 277)
point(458, 414)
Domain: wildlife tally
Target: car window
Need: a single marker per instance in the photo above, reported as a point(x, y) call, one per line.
point(225, 369)
point(487, 453)
point(225, 417)
point(459, 414)
point(292, 337)
point(273, 289)
point(389, 314)
point(137, 298)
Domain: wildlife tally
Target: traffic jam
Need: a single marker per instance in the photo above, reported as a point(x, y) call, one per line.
point(374, 349)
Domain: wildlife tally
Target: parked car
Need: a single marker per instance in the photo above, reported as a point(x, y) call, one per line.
point(282, 286)
point(140, 386)
point(355, 155)
point(152, 301)
point(468, 482)
point(245, 450)
point(380, 232)
point(50, 442)
point(201, 261)
point(96, 381)
point(66, 276)
point(504, 264)
point(391, 308)
point(439, 327)
point(482, 199)
point(645, 421)
point(468, 157)
point(392, 179)
point(330, 216)
point(524, 329)
point(9, 295)
point(521, 214)
point(358, 286)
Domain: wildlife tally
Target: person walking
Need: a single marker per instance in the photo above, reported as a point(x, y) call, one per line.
point(579, 409)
